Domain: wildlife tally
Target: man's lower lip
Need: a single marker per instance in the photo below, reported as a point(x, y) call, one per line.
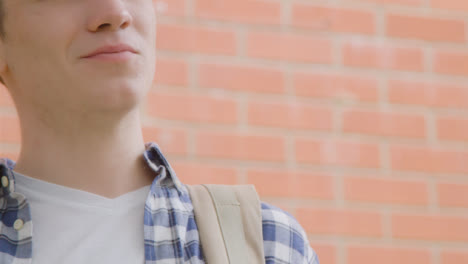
point(113, 57)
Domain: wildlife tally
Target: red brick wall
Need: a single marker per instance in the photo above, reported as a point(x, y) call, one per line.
point(350, 114)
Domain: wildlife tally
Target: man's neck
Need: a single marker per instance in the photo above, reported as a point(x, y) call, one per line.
point(107, 163)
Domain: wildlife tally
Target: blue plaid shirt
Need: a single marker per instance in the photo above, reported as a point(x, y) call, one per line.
point(170, 230)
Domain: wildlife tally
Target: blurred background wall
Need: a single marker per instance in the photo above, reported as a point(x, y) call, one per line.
point(350, 114)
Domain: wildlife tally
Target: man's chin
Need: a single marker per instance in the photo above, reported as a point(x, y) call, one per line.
point(118, 98)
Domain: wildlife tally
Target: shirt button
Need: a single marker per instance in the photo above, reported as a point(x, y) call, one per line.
point(4, 181)
point(18, 224)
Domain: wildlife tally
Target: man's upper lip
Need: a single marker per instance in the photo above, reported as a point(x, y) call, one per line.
point(111, 49)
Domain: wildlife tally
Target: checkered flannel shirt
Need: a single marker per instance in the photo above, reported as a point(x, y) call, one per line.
point(170, 231)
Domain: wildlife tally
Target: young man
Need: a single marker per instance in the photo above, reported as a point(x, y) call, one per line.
point(85, 181)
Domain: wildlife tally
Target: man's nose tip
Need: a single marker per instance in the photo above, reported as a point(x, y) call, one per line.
point(112, 16)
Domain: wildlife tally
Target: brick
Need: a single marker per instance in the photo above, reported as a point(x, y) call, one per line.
point(425, 28)
point(10, 155)
point(387, 255)
point(430, 160)
point(451, 62)
point(335, 86)
point(172, 141)
point(432, 94)
point(171, 72)
point(337, 153)
point(198, 173)
point(454, 257)
point(452, 128)
point(452, 195)
point(195, 108)
point(430, 227)
point(195, 39)
point(383, 56)
point(241, 78)
point(326, 253)
point(240, 147)
point(169, 7)
point(394, 2)
point(243, 11)
point(457, 5)
point(5, 98)
point(388, 191)
point(340, 222)
point(333, 19)
point(288, 46)
point(10, 131)
point(290, 115)
point(291, 184)
point(384, 124)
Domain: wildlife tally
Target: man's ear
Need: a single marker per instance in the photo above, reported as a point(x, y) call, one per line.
point(3, 61)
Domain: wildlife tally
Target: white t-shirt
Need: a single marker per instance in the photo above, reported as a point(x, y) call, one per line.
point(71, 226)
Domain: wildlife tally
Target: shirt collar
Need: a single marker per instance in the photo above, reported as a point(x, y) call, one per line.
point(156, 160)
point(164, 174)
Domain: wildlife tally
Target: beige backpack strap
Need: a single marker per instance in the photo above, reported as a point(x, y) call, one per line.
point(229, 222)
point(207, 223)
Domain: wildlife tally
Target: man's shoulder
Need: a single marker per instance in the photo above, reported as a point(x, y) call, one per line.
point(285, 240)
